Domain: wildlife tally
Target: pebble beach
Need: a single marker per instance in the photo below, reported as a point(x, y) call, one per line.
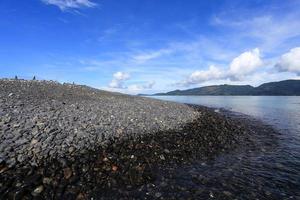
point(67, 141)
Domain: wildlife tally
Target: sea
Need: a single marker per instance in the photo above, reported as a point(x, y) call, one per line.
point(269, 171)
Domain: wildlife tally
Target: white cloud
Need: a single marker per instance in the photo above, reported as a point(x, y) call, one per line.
point(121, 76)
point(118, 84)
point(118, 80)
point(213, 73)
point(245, 64)
point(290, 61)
point(70, 4)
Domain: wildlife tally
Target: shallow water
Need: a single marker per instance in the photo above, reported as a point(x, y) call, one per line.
point(268, 170)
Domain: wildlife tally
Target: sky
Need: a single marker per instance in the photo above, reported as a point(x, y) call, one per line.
point(149, 46)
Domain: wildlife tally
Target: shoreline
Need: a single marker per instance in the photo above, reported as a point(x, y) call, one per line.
point(121, 166)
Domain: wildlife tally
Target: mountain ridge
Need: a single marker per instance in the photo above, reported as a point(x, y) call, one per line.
point(289, 87)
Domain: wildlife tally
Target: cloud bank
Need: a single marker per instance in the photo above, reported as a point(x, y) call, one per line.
point(290, 61)
point(118, 80)
point(243, 65)
point(200, 76)
point(70, 4)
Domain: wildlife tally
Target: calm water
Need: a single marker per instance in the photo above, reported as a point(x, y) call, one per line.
point(272, 169)
point(282, 112)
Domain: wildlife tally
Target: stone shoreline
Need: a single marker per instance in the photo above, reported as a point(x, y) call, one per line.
point(117, 166)
point(44, 119)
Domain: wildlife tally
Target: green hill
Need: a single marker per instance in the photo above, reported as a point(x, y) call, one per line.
point(281, 88)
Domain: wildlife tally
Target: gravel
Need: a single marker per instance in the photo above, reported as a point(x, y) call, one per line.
point(43, 119)
point(65, 141)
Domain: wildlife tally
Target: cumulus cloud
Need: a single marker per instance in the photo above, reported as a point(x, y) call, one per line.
point(290, 61)
point(70, 4)
point(118, 80)
point(243, 65)
point(199, 76)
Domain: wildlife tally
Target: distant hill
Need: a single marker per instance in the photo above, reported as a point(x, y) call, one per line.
point(281, 88)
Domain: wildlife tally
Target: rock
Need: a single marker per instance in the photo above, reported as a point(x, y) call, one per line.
point(114, 168)
point(82, 114)
point(119, 131)
point(167, 151)
point(16, 125)
point(67, 173)
point(20, 158)
point(47, 180)
point(162, 157)
point(84, 169)
point(3, 168)
point(78, 142)
point(33, 141)
point(158, 194)
point(268, 193)
point(71, 149)
point(163, 184)
point(21, 141)
point(35, 131)
point(227, 193)
point(19, 193)
point(37, 191)
point(11, 162)
point(6, 119)
point(80, 196)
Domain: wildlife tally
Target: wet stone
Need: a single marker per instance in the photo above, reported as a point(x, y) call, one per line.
point(37, 191)
point(83, 143)
point(47, 180)
point(67, 173)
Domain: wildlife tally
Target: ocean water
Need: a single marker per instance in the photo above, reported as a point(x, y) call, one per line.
point(271, 170)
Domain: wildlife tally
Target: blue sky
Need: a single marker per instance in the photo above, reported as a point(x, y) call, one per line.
point(147, 46)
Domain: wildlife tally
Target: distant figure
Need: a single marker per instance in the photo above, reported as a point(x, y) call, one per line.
point(16, 77)
point(33, 78)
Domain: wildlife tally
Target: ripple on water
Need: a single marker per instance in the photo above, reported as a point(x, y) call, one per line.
point(259, 168)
